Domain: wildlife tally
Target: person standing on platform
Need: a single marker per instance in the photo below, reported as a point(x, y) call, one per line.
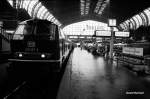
point(106, 51)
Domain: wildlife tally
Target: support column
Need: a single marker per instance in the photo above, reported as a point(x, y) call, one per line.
point(0, 43)
point(111, 44)
point(0, 37)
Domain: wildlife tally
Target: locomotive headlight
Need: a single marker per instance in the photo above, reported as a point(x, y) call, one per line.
point(43, 56)
point(20, 55)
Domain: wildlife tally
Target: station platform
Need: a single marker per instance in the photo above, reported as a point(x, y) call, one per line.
point(85, 77)
point(90, 77)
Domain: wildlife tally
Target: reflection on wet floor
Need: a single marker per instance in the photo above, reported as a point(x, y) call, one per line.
point(89, 77)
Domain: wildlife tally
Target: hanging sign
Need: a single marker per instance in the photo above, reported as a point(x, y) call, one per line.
point(102, 33)
point(122, 34)
point(112, 22)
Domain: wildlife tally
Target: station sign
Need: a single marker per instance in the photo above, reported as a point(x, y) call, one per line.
point(100, 33)
point(122, 34)
point(112, 22)
point(133, 51)
point(88, 37)
point(81, 37)
point(72, 37)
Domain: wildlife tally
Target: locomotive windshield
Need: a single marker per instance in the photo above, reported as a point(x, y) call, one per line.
point(37, 28)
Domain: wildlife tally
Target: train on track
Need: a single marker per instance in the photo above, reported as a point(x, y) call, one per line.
point(41, 42)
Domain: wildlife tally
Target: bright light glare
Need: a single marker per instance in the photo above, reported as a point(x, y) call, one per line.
point(11, 2)
point(20, 55)
point(42, 55)
point(84, 28)
point(9, 31)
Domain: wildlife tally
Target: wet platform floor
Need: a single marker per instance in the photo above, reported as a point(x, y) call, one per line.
point(85, 77)
point(90, 77)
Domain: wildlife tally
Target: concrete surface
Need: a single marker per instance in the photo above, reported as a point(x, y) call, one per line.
point(89, 77)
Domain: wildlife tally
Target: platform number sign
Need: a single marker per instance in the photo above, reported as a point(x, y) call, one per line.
point(31, 47)
point(112, 22)
point(31, 44)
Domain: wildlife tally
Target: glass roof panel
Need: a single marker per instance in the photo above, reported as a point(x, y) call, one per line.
point(40, 11)
point(126, 26)
point(43, 13)
point(82, 5)
point(99, 3)
point(100, 6)
point(31, 6)
point(46, 15)
point(143, 18)
point(133, 23)
point(37, 8)
point(140, 19)
point(87, 6)
point(50, 17)
point(10, 2)
point(122, 26)
point(147, 12)
point(136, 22)
point(84, 28)
point(26, 2)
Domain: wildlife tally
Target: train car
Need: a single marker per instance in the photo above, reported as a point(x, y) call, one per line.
point(41, 42)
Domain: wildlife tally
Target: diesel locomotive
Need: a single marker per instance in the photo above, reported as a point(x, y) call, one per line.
point(40, 41)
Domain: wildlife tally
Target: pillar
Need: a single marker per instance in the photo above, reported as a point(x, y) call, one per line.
point(111, 44)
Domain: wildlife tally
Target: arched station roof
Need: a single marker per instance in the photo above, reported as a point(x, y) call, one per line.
point(140, 19)
point(65, 12)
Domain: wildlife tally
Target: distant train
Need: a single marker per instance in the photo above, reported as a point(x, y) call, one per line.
point(40, 41)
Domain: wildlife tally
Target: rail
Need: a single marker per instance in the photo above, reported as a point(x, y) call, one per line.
point(15, 91)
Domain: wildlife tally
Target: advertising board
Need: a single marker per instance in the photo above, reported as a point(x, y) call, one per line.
point(133, 51)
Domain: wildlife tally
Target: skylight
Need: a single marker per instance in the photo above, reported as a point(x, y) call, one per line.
point(85, 6)
point(100, 6)
point(35, 9)
point(84, 28)
point(141, 19)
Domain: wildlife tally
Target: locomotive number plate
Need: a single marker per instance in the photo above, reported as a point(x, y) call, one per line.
point(31, 47)
point(31, 44)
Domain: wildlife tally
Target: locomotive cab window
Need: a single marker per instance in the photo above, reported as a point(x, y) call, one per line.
point(40, 41)
point(42, 30)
